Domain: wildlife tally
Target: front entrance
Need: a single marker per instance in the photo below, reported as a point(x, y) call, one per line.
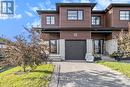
point(75, 49)
point(99, 46)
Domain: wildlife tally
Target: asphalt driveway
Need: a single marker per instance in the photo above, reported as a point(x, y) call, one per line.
point(72, 74)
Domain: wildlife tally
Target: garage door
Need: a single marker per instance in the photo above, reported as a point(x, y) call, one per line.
point(75, 50)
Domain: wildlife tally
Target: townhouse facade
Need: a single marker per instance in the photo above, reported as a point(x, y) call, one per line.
point(75, 29)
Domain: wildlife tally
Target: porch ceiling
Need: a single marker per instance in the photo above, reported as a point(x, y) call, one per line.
point(93, 29)
point(101, 32)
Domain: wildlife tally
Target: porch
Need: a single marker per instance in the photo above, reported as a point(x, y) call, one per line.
point(98, 43)
point(103, 42)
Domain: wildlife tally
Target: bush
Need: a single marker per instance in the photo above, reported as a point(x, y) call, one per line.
point(113, 54)
point(116, 54)
point(1, 56)
point(97, 55)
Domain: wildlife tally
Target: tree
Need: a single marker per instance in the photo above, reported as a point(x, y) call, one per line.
point(124, 41)
point(26, 51)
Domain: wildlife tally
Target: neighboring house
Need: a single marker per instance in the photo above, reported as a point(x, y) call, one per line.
point(1, 45)
point(74, 29)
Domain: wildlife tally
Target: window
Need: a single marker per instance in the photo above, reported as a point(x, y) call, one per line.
point(53, 46)
point(124, 15)
point(75, 15)
point(96, 20)
point(50, 20)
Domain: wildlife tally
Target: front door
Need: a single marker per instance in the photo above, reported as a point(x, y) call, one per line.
point(98, 46)
point(75, 49)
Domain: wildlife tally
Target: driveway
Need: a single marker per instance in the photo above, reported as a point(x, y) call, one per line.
point(72, 74)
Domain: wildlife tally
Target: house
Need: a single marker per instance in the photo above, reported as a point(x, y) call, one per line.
point(2, 44)
point(75, 29)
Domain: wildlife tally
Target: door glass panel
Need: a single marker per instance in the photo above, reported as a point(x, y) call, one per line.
point(98, 46)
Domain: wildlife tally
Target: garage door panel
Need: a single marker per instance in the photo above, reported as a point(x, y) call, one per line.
point(75, 50)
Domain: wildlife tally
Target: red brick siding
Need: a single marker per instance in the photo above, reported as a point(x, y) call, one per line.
point(50, 36)
point(75, 35)
point(43, 20)
point(65, 23)
point(116, 17)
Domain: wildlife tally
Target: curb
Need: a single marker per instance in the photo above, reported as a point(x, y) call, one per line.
point(55, 77)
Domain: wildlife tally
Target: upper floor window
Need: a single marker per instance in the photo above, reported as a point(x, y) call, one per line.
point(75, 15)
point(96, 20)
point(50, 20)
point(124, 15)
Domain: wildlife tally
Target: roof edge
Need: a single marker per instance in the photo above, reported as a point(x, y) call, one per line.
point(98, 12)
point(117, 5)
point(92, 5)
point(46, 11)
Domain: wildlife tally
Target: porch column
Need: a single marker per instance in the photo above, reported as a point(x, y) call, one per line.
point(111, 46)
point(62, 48)
point(89, 46)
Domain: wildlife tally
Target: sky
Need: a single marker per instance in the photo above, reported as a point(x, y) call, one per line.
point(26, 15)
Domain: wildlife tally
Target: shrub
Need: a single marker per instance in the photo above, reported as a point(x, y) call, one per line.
point(116, 54)
point(26, 51)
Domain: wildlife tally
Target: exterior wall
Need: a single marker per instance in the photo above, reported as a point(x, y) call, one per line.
point(103, 21)
point(113, 18)
point(109, 37)
point(89, 46)
point(63, 22)
point(109, 18)
point(2, 45)
point(115, 34)
point(61, 48)
point(50, 36)
point(101, 36)
point(89, 54)
point(77, 35)
point(116, 20)
point(98, 36)
point(111, 46)
point(43, 20)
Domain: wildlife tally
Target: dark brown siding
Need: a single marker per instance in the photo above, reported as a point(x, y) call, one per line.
point(65, 23)
point(70, 35)
point(43, 20)
point(103, 22)
point(50, 36)
point(112, 18)
point(101, 36)
point(115, 34)
point(109, 18)
point(116, 17)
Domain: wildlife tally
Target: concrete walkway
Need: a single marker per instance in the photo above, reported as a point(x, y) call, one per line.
point(72, 74)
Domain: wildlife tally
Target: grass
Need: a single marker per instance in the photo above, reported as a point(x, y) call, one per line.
point(123, 68)
point(38, 78)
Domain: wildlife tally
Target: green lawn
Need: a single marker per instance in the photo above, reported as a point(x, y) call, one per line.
point(11, 78)
point(124, 68)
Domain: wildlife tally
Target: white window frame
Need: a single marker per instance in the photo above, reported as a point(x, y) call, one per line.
point(50, 20)
point(96, 20)
point(75, 15)
point(125, 15)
